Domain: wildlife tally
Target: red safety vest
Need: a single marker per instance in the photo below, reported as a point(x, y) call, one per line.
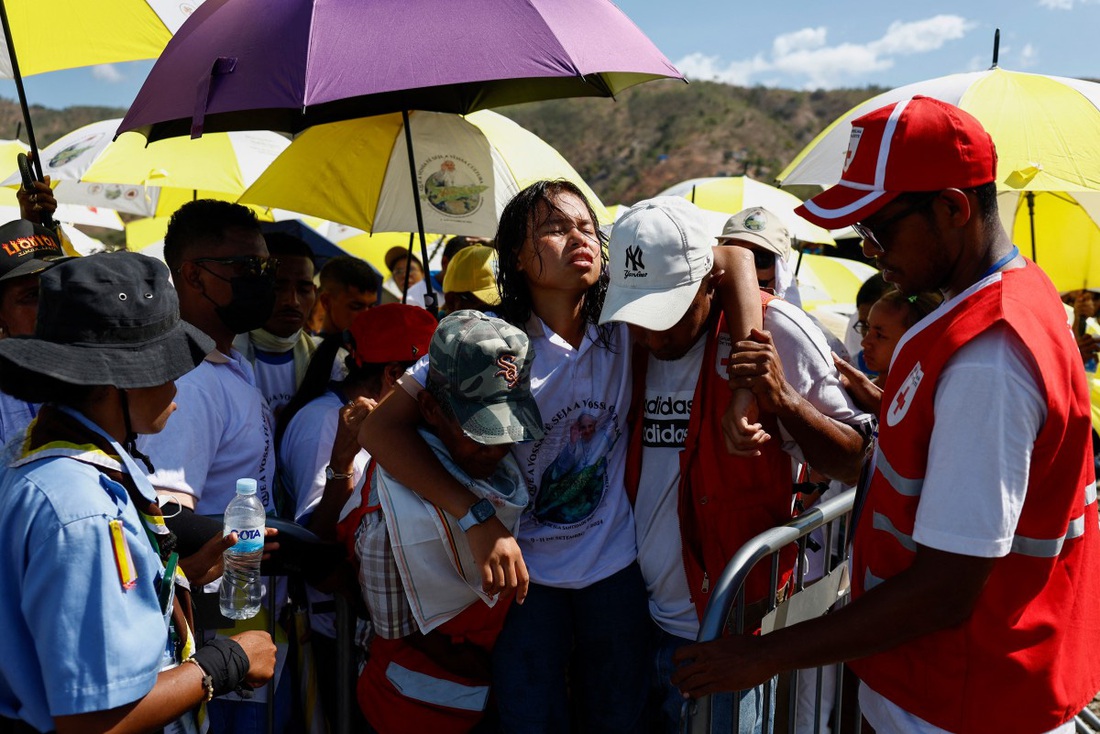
point(1026, 659)
point(724, 500)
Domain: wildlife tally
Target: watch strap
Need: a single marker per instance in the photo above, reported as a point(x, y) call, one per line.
point(478, 513)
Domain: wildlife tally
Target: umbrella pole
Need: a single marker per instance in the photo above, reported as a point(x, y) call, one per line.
point(430, 302)
point(405, 285)
point(19, 88)
point(801, 252)
point(1031, 221)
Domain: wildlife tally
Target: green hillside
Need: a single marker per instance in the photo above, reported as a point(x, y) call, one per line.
point(657, 134)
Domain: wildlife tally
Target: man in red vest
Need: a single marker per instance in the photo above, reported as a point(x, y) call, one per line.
point(975, 561)
point(688, 491)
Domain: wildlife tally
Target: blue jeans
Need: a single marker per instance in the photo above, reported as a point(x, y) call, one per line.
point(591, 644)
point(750, 702)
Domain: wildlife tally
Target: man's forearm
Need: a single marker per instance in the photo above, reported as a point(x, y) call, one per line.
point(833, 448)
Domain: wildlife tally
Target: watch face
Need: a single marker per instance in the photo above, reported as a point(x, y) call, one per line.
point(482, 510)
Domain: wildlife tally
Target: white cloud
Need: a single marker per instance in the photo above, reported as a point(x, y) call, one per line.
point(1057, 4)
point(702, 67)
point(1029, 56)
point(922, 36)
point(804, 57)
point(806, 39)
point(108, 73)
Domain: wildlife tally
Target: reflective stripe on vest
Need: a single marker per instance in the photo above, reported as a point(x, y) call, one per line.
point(881, 522)
point(1052, 547)
point(870, 580)
point(438, 691)
point(902, 485)
point(1021, 544)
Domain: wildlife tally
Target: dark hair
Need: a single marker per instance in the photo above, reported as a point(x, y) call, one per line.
point(916, 307)
point(455, 244)
point(319, 375)
point(281, 244)
point(986, 194)
point(517, 223)
point(203, 220)
point(34, 387)
point(872, 289)
point(345, 270)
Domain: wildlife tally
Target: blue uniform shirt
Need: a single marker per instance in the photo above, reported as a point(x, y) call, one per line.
point(75, 640)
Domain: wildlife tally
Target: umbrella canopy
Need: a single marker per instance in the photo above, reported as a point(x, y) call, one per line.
point(731, 194)
point(357, 172)
point(288, 64)
point(129, 176)
point(66, 34)
point(824, 281)
point(1046, 129)
point(1067, 234)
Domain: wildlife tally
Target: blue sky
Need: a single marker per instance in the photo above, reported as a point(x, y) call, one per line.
point(794, 44)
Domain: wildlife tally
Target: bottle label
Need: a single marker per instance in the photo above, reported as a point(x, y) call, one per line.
point(249, 540)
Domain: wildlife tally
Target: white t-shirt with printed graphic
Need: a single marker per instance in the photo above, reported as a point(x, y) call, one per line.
point(670, 388)
point(579, 528)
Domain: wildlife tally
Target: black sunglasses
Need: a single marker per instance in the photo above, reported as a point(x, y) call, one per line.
point(245, 264)
point(868, 234)
point(763, 259)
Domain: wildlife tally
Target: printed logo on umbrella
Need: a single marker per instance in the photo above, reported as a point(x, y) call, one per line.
point(72, 152)
point(452, 185)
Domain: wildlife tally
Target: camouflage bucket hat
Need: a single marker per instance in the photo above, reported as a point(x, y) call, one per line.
point(480, 367)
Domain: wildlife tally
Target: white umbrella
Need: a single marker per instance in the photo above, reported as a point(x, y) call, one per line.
point(126, 175)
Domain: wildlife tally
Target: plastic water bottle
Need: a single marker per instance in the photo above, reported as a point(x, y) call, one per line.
point(242, 590)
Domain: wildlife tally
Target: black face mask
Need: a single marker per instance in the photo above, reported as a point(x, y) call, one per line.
point(252, 302)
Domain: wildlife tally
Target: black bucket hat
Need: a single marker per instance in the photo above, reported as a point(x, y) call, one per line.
point(27, 248)
point(109, 319)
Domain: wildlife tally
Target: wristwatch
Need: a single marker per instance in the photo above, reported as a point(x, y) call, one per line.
point(330, 474)
point(480, 511)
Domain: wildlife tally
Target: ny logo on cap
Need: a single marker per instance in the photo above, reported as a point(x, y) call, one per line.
point(508, 369)
point(634, 258)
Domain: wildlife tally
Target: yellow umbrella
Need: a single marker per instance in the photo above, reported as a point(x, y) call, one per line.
point(358, 172)
point(731, 194)
point(1046, 129)
point(127, 175)
point(66, 34)
point(1066, 234)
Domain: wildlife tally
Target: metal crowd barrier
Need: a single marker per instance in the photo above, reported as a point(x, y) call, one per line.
point(726, 610)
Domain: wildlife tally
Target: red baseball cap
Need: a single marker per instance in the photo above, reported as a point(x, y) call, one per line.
point(917, 144)
point(393, 332)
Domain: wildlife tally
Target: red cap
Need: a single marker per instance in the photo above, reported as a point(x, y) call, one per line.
point(918, 144)
point(393, 332)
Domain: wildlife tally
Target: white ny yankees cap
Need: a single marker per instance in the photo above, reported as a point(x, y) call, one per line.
point(660, 250)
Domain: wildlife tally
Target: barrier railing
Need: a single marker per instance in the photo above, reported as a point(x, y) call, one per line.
point(810, 597)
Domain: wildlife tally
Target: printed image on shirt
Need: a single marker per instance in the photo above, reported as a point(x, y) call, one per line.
point(573, 485)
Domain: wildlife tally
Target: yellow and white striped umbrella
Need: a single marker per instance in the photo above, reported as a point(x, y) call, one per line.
point(731, 194)
point(1046, 129)
point(467, 168)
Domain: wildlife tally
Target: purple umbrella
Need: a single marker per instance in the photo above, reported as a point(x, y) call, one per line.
point(288, 64)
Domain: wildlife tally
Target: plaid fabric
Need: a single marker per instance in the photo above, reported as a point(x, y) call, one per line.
point(380, 581)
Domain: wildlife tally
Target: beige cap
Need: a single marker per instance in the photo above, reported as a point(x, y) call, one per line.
point(758, 226)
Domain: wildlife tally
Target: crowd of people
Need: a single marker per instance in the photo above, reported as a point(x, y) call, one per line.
point(528, 497)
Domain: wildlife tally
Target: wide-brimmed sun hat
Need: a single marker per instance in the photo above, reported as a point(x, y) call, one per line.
point(109, 319)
